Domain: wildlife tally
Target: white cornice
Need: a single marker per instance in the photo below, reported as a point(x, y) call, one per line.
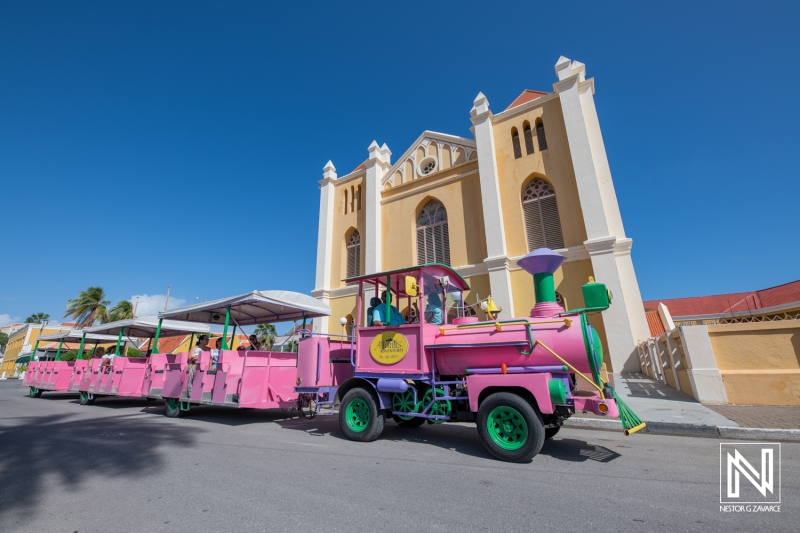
point(428, 186)
point(573, 253)
point(427, 134)
point(523, 108)
point(350, 177)
point(603, 245)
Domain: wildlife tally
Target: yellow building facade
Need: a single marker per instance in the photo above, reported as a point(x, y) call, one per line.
point(533, 175)
point(21, 342)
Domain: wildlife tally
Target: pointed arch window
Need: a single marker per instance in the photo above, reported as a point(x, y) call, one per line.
point(515, 142)
point(540, 135)
point(433, 239)
point(542, 223)
point(354, 254)
point(528, 134)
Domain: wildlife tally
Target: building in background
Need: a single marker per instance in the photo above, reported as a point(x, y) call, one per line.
point(535, 174)
point(22, 341)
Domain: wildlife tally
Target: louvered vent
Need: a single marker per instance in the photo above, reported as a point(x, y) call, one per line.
point(354, 255)
point(433, 239)
point(542, 223)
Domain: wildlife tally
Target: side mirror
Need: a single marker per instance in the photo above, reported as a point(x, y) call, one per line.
point(411, 286)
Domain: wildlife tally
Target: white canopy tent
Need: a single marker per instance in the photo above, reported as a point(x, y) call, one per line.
point(256, 307)
point(76, 335)
point(147, 326)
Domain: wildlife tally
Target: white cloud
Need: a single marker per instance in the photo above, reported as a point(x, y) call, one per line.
point(152, 304)
point(6, 319)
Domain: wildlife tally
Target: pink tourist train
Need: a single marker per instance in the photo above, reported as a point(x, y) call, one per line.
point(517, 379)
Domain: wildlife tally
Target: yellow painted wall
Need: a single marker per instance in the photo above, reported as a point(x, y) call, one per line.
point(458, 188)
point(554, 164)
point(343, 225)
point(15, 344)
point(759, 362)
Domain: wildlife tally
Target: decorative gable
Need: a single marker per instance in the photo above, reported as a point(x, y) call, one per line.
point(431, 153)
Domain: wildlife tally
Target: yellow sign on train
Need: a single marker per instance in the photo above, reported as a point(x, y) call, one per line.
point(389, 347)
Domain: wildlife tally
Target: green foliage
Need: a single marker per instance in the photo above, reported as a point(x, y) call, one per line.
point(69, 356)
point(37, 318)
point(122, 311)
point(133, 352)
point(265, 333)
point(3, 341)
point(89, 307)
point(290, 346)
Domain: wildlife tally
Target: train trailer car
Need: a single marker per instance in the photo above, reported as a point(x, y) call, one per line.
point(59, 375)
point(134, 377)
point(246, 378)
point(518, 379)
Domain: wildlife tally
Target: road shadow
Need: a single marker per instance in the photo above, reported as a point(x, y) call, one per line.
point(75, 450)
point(577, 451)
point(226, 416)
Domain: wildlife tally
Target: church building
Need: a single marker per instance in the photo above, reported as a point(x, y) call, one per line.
point(535, 174)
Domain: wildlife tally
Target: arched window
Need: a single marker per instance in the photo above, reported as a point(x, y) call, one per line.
point(352, 198)
point(515, 142)
point(433, 240)
point(345, 201)
point(358, 196)
point(560, 300)
point(526, 130)
point(540, 135)
point(354, 255)
point(542, 223)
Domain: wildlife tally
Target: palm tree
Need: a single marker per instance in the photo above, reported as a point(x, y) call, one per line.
point(89, 307)
point(265, 333)
point(122, 311)
point(37, 318)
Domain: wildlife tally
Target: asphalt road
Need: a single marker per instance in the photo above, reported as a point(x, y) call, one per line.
point(120, 465)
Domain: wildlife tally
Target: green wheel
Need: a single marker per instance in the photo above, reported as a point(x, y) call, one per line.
point(172, 407)
point(36, 393)
point(86, 398)
point(440, 408)
point(510, 427)
point(404, 402)
point(360, 417)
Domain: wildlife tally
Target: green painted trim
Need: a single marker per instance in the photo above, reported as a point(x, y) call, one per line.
point(388, 301)
point(225, 328)
point(158, 334)
point(119, 341)
point(58, 353)
point(589, 354)
point(558, 391)
point(544, 287)
point(80, 348)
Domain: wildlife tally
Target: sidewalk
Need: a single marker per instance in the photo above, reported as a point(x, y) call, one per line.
point(668, 411)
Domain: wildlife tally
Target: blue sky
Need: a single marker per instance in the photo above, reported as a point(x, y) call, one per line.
point(147, 144)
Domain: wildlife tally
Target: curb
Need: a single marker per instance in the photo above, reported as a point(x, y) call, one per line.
point(691, 430)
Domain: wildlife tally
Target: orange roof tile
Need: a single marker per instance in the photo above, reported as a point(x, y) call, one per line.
point(654, 323)
point(362, 166)
point(526, 96)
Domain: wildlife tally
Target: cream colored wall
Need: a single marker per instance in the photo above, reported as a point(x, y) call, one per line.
point(553, 164)
point(759, 362)
point(15, 344)
point(341, 307)
point(342, 223)
point(461, 197)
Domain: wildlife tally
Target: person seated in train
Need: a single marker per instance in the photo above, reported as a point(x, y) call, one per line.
point(413, 313)
point(107, 359)
point(201, 346)
point(215, 354)
point(433, 311)
point(379, 314)
point(254, 344)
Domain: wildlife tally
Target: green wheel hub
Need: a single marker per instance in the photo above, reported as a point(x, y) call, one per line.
point(440, 408)
point(404, 402)
point(357, 414)
point(507, 428)
point(33, 392)
point(172, 403)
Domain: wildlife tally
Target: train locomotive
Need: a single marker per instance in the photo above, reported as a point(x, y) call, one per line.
point(518, 379)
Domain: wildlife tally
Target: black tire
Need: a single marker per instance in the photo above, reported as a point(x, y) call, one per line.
point(414, 422)
point(372, 419)
point(550, 432)
point(151, 399)
point(172, 408)
point(522, 439)
point(36, 393)
point(85, 399)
